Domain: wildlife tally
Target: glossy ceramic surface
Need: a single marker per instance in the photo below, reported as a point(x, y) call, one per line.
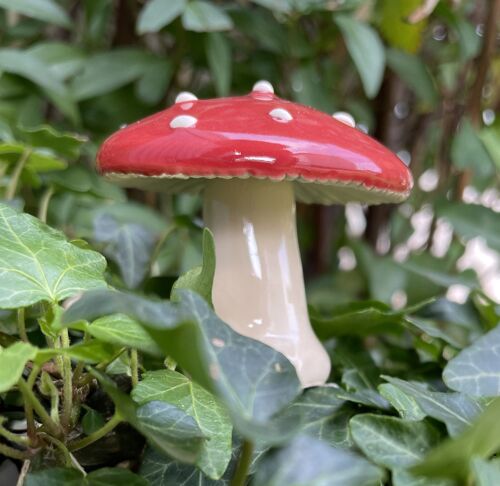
point(258, 135)
point(258, 287)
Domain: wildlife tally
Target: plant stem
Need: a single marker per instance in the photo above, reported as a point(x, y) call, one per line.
point(44, 203)
point(21, 324)
point(30, 397)
point(7, 451)
point(65, 452)
point(10, 192)
point(67, 373)
point(134, 367)
point(98, 434)
point(28, 409)
point(12, 437)
point(243, 467)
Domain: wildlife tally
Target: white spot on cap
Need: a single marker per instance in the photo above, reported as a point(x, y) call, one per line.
point(281, 115)
point(183, 121)
point(185, 96)
point(263, 87)
point(344, 117)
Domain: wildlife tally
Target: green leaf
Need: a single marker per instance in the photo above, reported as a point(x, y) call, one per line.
point(359, 319)
point(165, 426)
point(201, 16)
point(108, 71)
point(72, 477)
point(211, 417)
point(219, 58)
point(412, 70)
point(253, 380)
point(456, 410)
point(156, 14)
point(406, 405)
point(120, 330)
point(396, 29)
point(476, 370)
point(487, 473)
point(38, 160)
point(90, 352)
point(469, 152)
point(452, 457)
point(27, 65)
point(62, 59)
point(129, 245)
point(63, 143)
point(471, 220)
point(401, 477)
point(38, 264)
point(309, 461)
point(392, 442)
point(12, 362)
point(92, 421)
point(283, 6)
point(199, 279)
point(152, 85)
point(45, 10)
point(160, 470)
point(366, 50)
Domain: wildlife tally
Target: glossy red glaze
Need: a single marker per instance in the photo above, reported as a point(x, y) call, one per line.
point(238, 136)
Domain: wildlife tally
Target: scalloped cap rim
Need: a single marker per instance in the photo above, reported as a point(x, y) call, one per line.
point(258, 135)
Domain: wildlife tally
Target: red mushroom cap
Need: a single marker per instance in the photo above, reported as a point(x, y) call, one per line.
point(260, 136)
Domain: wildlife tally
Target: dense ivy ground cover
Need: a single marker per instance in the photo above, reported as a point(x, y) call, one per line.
point(114, 367)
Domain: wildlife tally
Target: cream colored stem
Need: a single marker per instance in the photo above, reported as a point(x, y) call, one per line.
point(259, 286)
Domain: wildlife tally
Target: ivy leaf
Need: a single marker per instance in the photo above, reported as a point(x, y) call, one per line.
point(12, 362)
point(160, 470)
point(165, 426)
point(37, 263)
point(367, 52)
point(487, 473)
point(452, 457)
point(456, 410)
point(129, 245)
point(120, 330)
point(200, 279)
point(66, 144)
point(45, 10)
point(59, 476)
point(253, 380)
point(406, 405)
point(310, 461)
point(392, 442)
point(359, 319)
point(401, 477)
point(92, 421)
point(201, 16)
point(157, 14)
point(211, 417)
point(476, 370)
point(38, 160)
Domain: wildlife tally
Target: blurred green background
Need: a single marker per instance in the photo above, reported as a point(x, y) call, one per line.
point(420, 76)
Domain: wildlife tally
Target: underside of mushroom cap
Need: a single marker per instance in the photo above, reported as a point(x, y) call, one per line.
point(255, 136)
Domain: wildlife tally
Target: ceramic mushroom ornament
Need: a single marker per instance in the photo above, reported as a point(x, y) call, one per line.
point(252, 157)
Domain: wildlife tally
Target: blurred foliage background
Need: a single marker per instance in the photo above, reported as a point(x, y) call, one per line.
point(420, 76)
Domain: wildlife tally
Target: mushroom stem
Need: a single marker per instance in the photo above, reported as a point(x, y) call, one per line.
point(259, 286)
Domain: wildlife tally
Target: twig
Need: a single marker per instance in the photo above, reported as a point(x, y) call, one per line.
point(24, 472)
point(21, 325)
point(44, 203)
point(134, 367)
point(8, 451)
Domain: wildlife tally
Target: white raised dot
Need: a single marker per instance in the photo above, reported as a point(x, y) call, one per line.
point(344, 117)
point(263, 87)
point(183, 121)
point(185, 96)
point(281, 115)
